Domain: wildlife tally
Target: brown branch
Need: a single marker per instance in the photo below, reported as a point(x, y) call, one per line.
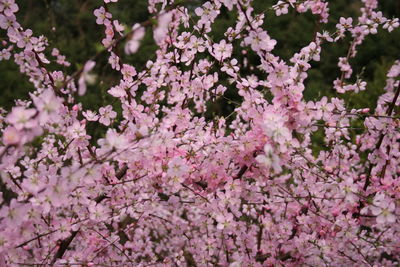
point(241, 172)
point(35, 238)
point(121, 173)
point(64, 246)
point(44, 234)
point(193, 191)
point(100, 198)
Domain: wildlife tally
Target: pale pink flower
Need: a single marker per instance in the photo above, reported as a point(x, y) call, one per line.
point(224, 220)
point(281, 8)
point(5, 54)
point(229, 3)
point(21, 117)
point(8, 7)
point(117, 91)
point(118, 27)
point(260, 40)
point(222, 50)
point(161, 32)
point(128, 72)
point(113, 140)
point(48, 105)
point(102, 16)
point(133, 44)
point(90, 115)
point(77, 130)
point(97, 212)
point(177, 167)
point(207, 12)
point(114, 61)
point(390, 25)
point(86, 77)
point(383, 208)
point(106, 115)
point(11, 136)
point(269, 159)
point(350, 189)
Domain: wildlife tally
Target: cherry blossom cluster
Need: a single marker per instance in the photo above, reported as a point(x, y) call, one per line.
point(171, 183)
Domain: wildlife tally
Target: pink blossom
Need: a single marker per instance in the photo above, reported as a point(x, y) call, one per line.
point(11, 136)
point(161, 32)
point(275, 178)
point(132, 46)
point(224, 220)
point(390, 25)
point(90, 115)
point(281, 8)
point(21, 117)
point(229, 3)
point(177, 167)
point(5, 54)
point(8, 7)
point(260, 40)
point(8, 22)
point(117, 91)
point(383, 209)
point(113, 140)
point(102, 16)
point(86, 77)
point(269, 159)
point(222, 50)
point(106, 115)
point(48, 105)
point(128, 72)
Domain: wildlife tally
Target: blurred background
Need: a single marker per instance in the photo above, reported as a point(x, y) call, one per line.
point(70, 27)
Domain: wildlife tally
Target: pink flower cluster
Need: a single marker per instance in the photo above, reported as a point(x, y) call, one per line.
point(166, 185)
